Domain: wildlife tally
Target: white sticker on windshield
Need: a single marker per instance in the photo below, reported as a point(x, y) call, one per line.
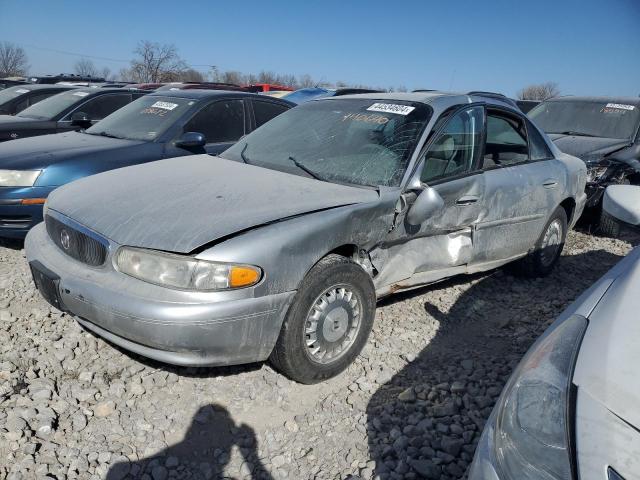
point(620, 105)
point(80, 94)
point(391, 108)
point(22, 90)
point(164, 105)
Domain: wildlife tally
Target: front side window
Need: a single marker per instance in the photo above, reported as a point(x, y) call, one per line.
point(104, 105)
point(456, 149)
point(221, 121)
point(506, 141)
point(353, 141)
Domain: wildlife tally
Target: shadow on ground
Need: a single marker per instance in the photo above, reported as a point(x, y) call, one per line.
point(426, 421)
point(204, 453)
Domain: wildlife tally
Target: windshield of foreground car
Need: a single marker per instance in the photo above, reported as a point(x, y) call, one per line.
point(354, 141)
point(589, 118)
point(51, 107)
point(144, 119)
point(10, 93)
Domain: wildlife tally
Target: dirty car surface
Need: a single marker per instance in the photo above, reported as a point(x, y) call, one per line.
point(280, 247)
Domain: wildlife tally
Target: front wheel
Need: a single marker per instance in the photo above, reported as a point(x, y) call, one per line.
point(547, 250)
point(328, 322)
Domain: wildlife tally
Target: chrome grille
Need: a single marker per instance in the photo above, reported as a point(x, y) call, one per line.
point(76, 244)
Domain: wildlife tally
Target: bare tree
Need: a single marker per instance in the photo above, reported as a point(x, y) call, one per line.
point(107, 75)
point(305, 81)
point(13, 60)
point(190, 75)
point(156, 63)
point(541, 91)
point(86, 68)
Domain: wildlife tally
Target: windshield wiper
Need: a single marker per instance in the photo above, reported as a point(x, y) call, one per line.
point(302, 167)
point(576, 134)
point(243, 156)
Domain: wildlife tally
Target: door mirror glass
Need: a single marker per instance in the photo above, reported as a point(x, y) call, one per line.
point(191, 140)
point(623, 203)
point(80, 119)
point(428, 203)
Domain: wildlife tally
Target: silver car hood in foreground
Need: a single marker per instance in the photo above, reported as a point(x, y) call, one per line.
point(182, 203)
point(608, 365)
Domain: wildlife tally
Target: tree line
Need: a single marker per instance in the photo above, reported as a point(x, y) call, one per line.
point(159, 63)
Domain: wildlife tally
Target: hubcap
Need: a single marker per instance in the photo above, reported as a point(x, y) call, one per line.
point(332, 324)
point(551, 243)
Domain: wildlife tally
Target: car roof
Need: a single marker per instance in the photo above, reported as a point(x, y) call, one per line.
point(44, 86)
point(198, 94)
point(624, 100)
point(434, 96)
point(103, 90)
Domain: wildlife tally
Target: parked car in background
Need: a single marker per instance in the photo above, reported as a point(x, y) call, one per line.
point(602, 131)
point(65, 77)
point(267, 87)
point(147, 86)
point(71, 110)
point(160, 125)
point(305, 94)
point(527, 105)
point(202, 86)
point(570, 409)
point(12, 82)
point(15, 99)
point(280, 247)
point(276, 93)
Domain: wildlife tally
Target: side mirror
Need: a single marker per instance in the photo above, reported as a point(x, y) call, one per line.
point(191, 140)
point(623, 203)
point(428, 203)
point(80, 119)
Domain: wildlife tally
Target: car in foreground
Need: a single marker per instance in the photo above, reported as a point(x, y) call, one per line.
point(602, 131)
point(280, 247)
point(311, 93)
point(159, 125)
point(13, 100)
point(74, 109)
point(570, 409)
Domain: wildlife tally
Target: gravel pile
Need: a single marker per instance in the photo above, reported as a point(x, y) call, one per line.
point(411, 406)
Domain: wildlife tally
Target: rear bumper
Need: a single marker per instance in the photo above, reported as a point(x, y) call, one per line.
point(176, 327)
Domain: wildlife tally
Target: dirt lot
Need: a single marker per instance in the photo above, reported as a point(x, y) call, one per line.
point(412, 406)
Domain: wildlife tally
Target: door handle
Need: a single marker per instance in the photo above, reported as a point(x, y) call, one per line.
point(550, 183)
point(467, 200)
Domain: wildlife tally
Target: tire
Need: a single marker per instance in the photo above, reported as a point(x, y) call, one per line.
point(324, 330)
point(608, 226)
point(541, 261)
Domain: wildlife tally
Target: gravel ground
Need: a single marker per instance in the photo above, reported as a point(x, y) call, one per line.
point(411, 406)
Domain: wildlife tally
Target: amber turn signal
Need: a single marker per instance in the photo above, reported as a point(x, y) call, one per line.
point(243, 276)
point(33, 201)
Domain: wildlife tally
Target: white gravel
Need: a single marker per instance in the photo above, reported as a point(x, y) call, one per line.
point(412, 406)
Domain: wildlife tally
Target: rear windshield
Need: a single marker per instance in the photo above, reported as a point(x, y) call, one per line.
point(353, 141)
point(306, 94)
point(144, 119)
point(51, 107)
point(589, 118)
point(10, 93)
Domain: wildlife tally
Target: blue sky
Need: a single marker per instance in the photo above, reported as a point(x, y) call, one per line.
point(586, 46)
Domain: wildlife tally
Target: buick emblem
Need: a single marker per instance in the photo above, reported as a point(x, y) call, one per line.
point(65, 240)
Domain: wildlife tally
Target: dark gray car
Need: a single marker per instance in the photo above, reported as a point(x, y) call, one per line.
point(280, 247)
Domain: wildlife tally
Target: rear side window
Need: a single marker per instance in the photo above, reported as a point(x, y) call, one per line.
point(39, 97)
point(265, 111)
point(537, 146)
point(506, 141)
point(104, 105)
point(221, 121)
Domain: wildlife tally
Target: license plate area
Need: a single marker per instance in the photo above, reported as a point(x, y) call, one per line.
point(47, 284)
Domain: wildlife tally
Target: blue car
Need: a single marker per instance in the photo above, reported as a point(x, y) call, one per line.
point(159, 125)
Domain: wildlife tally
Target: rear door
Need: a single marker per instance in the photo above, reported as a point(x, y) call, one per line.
point(521, 186)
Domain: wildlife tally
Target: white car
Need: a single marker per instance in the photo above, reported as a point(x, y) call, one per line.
point(571, 408)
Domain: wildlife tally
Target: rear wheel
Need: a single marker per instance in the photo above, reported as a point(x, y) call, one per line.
point(328, 323)
point(608, 225)
point(545, 255)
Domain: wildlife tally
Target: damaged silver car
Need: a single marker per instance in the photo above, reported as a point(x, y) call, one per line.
point(279, 248)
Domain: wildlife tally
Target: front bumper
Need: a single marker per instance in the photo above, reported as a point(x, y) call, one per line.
point(171, 326)
point(17, 219)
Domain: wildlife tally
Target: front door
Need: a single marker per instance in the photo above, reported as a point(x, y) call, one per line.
point(414, 254)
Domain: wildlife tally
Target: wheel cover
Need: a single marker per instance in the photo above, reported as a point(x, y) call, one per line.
point(551, 243)
point(332, 324)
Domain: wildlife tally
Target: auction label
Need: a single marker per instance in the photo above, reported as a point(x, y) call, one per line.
point(620, 106)
point(164, 105)
point(391, 108)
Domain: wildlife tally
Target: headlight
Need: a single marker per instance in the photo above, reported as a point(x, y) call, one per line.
point(595, 173)
point(18, 178)
point(183, 272)
point(531, 435)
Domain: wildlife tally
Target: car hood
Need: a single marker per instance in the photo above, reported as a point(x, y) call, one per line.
point(180, 204)
point(609, 358)
point(45, 150)
point(583, 147)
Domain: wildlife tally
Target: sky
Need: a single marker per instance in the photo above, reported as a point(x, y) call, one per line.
point(588, 47)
